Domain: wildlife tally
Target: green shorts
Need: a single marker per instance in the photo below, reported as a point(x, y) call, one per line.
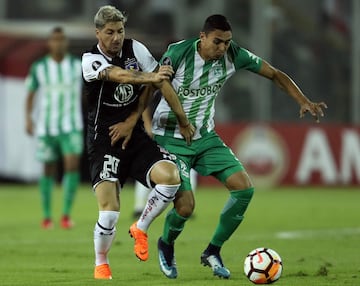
point(52, 148)
point(208, 156)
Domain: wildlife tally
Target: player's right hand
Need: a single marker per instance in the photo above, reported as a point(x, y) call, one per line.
point(314, 108)
point(164, 72)
point(187, 132)
point(29, 127)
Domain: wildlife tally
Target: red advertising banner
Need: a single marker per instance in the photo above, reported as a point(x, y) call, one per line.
point(295, 154)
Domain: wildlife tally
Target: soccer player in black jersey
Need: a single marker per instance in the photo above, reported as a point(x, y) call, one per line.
point(119, 74)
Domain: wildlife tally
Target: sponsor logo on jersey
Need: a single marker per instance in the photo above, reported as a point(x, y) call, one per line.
point(131, 64)
point(95, 65)
point(199, 92)
point(124, 93)
point(167, 61)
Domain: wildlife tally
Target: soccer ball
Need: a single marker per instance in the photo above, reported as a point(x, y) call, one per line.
point(263, 266)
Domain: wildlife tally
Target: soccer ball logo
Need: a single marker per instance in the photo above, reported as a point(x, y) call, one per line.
point(263, 266)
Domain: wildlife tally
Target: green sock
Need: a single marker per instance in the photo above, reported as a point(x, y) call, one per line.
point(232, 215)
point(174, 224)
point(46, 187)
point(70, 184)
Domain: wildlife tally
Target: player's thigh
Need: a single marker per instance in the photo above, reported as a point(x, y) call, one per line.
point(238, 181)
point(184, 157)
point(72, 143)
point(185, 164)
point(72, 146)
point(47, 150)
point(104, 163)
point(152, 164)
point(217, 159)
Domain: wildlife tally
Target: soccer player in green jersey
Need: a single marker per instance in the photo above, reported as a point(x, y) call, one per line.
point(54, 116)
point(202, 66)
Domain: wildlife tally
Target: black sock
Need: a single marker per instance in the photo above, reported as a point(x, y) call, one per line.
point(168, 250)
point(212, 249)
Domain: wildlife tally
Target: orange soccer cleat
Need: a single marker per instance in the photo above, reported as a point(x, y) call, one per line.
point(102, 272)
point(141, 247)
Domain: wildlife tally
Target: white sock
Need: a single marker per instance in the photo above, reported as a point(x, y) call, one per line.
point(159, 198)
point(193, 179)
point(141, 193)
point(104, 234)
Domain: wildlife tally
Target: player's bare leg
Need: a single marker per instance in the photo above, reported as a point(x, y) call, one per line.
point(46, 187)
point(107, 194)
point(241, 191)
point(165, 176)
point(70, 184)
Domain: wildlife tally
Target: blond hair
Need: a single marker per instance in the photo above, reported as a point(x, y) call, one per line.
point(108, 14)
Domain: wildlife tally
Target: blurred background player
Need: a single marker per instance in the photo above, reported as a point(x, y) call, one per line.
point(54, 116)
point(202, 66)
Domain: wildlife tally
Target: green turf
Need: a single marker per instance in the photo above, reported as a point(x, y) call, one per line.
point(316, 231)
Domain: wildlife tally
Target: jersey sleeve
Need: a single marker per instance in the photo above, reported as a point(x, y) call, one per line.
point(244, 59)
point(31, 81)
point(92, 65)
point(146, 60)
point(173, 55)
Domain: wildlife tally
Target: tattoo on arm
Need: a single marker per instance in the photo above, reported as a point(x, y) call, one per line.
point(104, 74)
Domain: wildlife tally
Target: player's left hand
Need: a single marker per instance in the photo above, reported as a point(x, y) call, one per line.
point(315, 109)
point(121, 130)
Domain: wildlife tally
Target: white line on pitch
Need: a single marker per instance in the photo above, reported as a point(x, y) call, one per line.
point(311, 233)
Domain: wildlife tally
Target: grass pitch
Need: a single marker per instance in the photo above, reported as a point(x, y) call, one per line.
point(315, 231)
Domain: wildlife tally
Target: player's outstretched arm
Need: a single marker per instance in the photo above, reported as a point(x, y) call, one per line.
point(187, 130)
point(284, 82)
point(117, 74)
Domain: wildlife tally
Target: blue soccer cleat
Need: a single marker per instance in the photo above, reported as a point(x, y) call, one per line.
point(214, 261)
point(167, 259)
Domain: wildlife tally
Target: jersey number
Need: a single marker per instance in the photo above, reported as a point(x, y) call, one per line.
point(110, 166)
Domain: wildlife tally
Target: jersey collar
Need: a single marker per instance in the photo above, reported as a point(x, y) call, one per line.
point(107, 57)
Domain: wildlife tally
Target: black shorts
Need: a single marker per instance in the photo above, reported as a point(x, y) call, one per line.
point(111, 163)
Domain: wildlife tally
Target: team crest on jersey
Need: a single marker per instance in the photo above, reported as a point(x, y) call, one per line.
point(123, 93)
point(95, 65)
point(217, 69)
point(131, 64)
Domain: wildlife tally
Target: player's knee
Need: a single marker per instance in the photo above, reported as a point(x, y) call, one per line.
point(109, 205)
point(107, 194)
point(239, 181)
point(185, 210)
point(71, 163)
point(165, 173)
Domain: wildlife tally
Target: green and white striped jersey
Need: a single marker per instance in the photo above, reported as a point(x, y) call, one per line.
point(197, 83)
point(57, 107)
